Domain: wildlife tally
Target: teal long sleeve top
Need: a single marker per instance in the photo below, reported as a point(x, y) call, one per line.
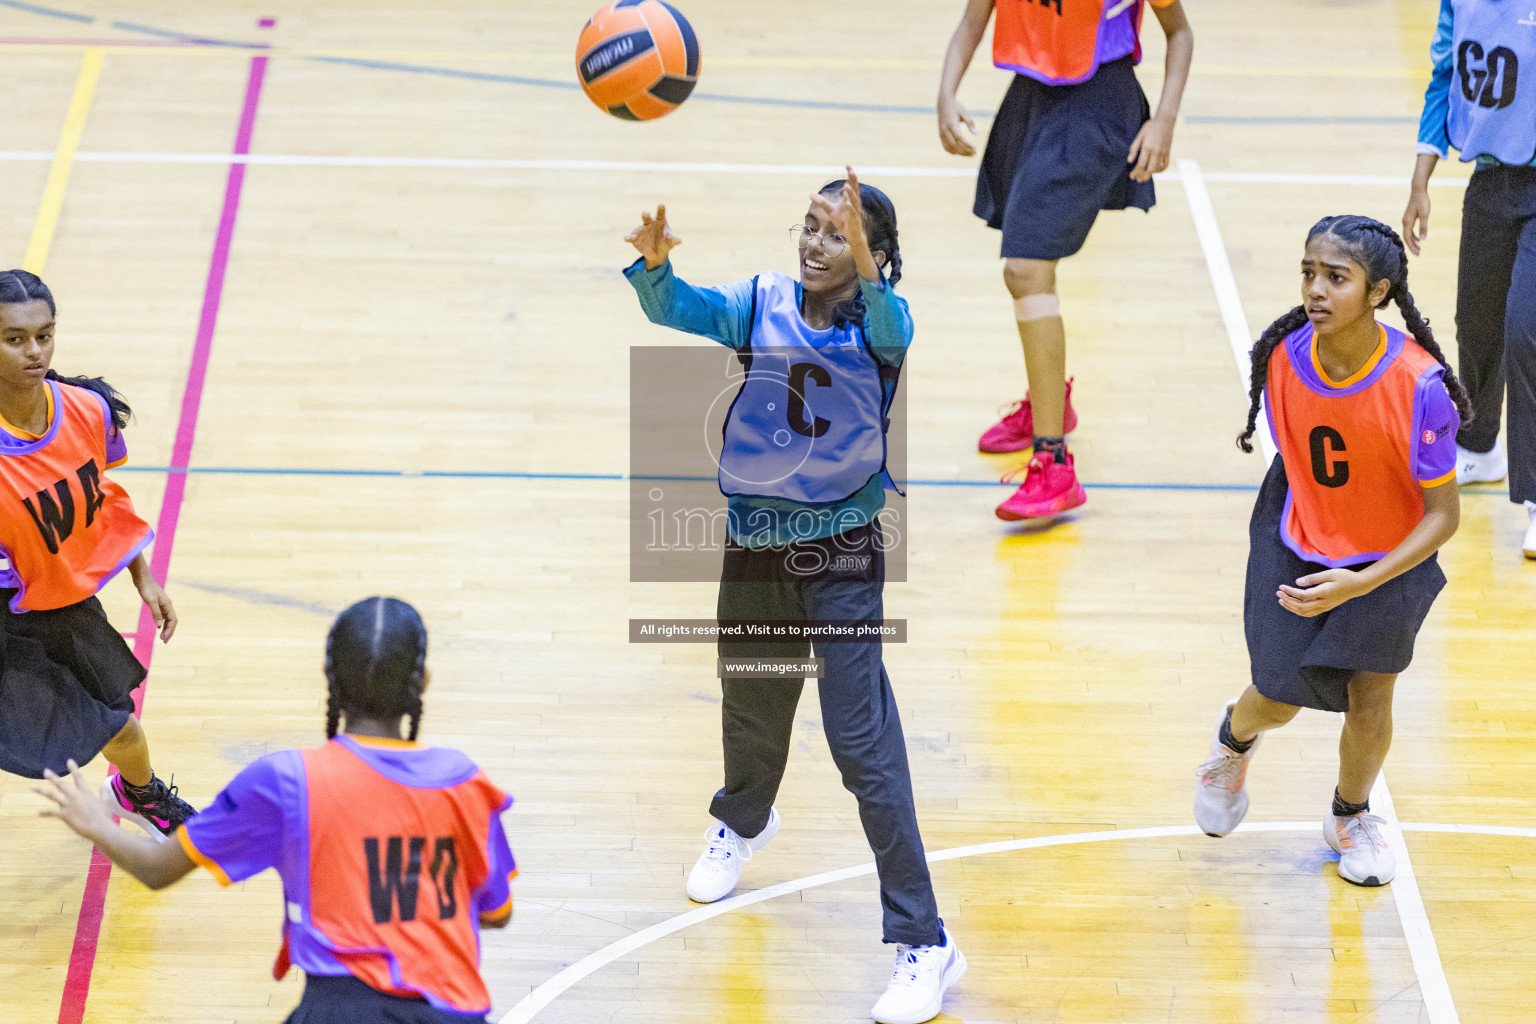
point(724, 315)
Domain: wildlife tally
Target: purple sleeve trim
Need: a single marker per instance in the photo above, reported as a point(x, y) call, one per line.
point(1428, 462)
point(126, 561)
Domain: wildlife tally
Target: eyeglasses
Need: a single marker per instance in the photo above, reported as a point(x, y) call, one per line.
point(832, 245)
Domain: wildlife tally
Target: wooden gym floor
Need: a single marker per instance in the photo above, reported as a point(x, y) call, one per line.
point(398, 338)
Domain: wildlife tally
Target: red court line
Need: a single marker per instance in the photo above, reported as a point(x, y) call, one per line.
point(82, 957)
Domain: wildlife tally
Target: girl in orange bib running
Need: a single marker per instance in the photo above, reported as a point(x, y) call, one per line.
point(65, 529)
point(1342, 568)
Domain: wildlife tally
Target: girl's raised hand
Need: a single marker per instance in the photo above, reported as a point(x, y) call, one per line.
point(845, 216)
point(846, 212)
point(653, 238)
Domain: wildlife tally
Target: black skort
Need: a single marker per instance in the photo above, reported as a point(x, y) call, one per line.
point(1056, 156)
point(1309, 662)
point(66, 686)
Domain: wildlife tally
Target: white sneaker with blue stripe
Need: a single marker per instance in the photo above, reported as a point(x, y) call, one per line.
point(716, 871)
point(922, 974)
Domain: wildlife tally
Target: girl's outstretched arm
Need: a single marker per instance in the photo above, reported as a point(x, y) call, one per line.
point(156, 863)
point(720, 314)
point(1324, 591)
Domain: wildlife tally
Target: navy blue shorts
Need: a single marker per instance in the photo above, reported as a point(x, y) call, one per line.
point(1056, 157)
point(345, 1000)
point(66, 686)
point(1309, 662)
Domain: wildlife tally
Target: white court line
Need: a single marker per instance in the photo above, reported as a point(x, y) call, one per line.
point(1433, 987)
point(1227, 299)
point(630, 166)
point(530, 1005)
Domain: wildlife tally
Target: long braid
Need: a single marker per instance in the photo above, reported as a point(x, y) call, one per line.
point(332, 698)
point(1418, 324)
point(332, 715)
point(1262, 350)
point(418, 680)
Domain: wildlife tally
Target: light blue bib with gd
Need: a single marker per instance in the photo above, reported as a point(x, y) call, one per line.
point(808, 424)
point(1493, 80)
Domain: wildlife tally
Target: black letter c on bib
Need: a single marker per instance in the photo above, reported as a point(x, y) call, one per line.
point(1326, 441)
point(796, 411)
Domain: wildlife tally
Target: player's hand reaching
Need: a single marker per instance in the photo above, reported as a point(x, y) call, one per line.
point(654, 238)
point(79, 806)
point(1150, 149)
point(1321, 592)
point(952, 114)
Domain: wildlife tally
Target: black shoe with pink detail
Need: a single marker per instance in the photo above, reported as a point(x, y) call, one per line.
point(155, 804)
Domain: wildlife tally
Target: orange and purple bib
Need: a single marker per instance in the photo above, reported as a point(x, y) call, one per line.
point(1063, 42)
point(391, 855)
point(1358, 451)
point(65, 528)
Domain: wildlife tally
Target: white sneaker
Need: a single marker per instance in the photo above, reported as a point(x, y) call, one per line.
point(1529, 544)
point(715, 873)
point(1481, 468)
point(1364, 857)
point(916, 991)
point(1221, 790)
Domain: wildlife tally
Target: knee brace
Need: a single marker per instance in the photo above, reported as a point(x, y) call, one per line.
point(1036, 307)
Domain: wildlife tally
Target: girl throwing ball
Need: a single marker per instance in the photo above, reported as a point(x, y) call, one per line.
point(1342, 567)
point(806, 545)
point(66, 688)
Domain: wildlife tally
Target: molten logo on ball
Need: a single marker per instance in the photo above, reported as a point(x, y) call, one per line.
point(638, 59)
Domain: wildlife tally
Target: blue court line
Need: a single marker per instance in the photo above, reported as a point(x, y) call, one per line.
point(446, 474)
point(48, 12)
point(250, 595)
point(712, 97)
point(424, 69)
point(513, 475)
point(149, 30)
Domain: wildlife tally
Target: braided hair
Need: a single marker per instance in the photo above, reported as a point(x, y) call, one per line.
point(22, 286)
point(1379, 250)
point(880, 228)
point(375, 663)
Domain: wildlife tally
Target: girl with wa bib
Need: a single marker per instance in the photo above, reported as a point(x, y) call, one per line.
point(803, 467)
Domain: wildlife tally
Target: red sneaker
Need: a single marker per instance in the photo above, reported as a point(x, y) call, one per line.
point(1015, 432)
point(1049, 489)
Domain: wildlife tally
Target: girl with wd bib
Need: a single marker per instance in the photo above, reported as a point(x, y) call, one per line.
point(392, 854)
point(839, 334)
point(66, 688)
point(1342, 568)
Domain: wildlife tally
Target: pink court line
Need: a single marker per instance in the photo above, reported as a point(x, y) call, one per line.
point(82, 957)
